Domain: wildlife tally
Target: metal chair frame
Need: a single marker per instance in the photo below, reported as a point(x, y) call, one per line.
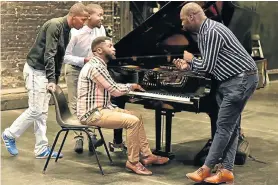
point(63, 117)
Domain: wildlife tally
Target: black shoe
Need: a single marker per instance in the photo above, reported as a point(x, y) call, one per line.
point(201, 156)
point(242, 153)
point(243, 150)
point(121, 146)
point(96, 142)
point(78, 148)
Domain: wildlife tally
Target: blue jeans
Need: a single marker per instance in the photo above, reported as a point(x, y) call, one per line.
point(232, 96)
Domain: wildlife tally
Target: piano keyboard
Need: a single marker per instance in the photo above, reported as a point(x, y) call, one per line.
point(162, 97)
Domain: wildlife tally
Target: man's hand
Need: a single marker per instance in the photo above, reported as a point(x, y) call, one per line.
point(87, 59)
point(187, 56)
point(137, 87)
point(51, 86)
point(181, 64)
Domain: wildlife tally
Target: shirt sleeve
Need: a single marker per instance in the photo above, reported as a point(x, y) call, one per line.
point(51, 46)
point(212, 43)
point(69, 58)
point(101, 76)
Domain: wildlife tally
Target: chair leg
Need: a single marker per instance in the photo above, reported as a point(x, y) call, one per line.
point(105, 146)
point(52, 148)
point(61, 147)
point(88, 134)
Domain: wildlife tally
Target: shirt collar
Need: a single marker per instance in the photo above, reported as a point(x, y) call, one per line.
point(203, 26)
point(101, 60)
point(65, 23)
point(87, 29)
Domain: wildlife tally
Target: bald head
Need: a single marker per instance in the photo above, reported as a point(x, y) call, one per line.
point(192, 16)
point(192, 9)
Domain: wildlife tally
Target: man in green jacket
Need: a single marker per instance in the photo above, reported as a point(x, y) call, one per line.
point(41, 73)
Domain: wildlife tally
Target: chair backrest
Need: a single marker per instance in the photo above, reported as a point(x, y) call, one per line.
point(61, 106)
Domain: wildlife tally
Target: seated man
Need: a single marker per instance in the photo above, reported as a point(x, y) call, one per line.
point(94, 107)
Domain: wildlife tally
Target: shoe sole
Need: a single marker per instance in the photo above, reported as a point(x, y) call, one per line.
point(155, 164)
point(130, 170)
point(230, 183)
point(7, 147)
point(193, 179)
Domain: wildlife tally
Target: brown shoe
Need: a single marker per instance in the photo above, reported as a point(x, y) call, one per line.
point(199, 175)
point(154, 159)
point(138, 168)
point(221, 176)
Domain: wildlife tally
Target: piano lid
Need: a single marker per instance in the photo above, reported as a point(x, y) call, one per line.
point(160, 34)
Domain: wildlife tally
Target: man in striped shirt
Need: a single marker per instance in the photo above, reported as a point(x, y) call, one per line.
point(226, 60)
point(94, 107)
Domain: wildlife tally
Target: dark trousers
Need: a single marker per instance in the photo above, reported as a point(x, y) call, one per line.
point(210, 106)
point(231, 97)
point(121, 76)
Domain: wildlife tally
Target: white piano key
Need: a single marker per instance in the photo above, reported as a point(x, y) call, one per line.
point(162, 97)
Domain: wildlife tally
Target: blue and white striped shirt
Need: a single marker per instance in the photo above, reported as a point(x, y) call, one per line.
point(223, 56)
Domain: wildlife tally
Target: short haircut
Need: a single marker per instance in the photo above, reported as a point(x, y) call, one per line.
point(78, 9)
point(97, 41)
point(192, 8)
point(92, 7)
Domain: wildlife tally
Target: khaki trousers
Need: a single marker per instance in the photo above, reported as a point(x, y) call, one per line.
point(120, 118)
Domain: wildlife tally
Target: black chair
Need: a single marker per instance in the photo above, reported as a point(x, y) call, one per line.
point(68, 122)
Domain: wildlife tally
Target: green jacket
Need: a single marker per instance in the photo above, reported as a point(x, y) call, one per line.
point(47, 53)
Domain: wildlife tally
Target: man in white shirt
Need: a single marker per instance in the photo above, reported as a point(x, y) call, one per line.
point(79, 52)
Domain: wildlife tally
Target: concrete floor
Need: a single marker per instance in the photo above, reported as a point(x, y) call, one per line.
point(190, 132)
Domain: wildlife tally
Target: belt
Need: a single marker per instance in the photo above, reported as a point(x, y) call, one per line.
point(252, 72)
point(75, 66)
point(247, 73)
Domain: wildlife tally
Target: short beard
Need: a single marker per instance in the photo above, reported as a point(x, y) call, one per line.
point(110, 57)
point(191, 29)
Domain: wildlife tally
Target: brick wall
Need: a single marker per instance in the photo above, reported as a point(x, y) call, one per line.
point(20, 22)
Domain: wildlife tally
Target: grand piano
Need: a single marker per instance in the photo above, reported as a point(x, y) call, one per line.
point(148, 52)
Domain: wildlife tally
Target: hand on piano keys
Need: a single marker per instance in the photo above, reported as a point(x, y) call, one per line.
point(181, 64)
point(187, 56)
point(137, 87)
point(167, 97)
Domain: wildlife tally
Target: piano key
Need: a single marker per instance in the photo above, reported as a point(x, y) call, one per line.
point(162, 97)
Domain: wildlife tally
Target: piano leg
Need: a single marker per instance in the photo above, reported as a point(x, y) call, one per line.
point(168, 131)
point(158, 129)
